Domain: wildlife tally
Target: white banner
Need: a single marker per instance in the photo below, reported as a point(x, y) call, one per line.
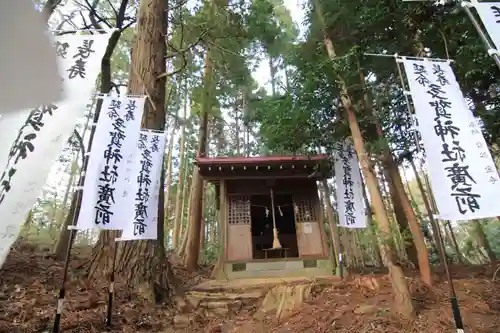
point(145, 186)
point(104, 204)
point(489, 12)
point(350, 201)
point(30, 141)
point(463, 174)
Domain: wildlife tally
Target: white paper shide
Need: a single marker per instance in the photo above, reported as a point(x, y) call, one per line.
point(463, 175)
point(32, 139)
point(489, 12)
point(145, 187)
point(350, 202)
point(105, 204)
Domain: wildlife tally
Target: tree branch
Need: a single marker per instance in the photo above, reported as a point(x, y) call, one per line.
point(50, 7)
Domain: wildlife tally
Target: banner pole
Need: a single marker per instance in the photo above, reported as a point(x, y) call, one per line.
point(440, 243)
point(62, 289)
point(484, 38)
point(71, 228)
point(111, 285)
point(453, 297)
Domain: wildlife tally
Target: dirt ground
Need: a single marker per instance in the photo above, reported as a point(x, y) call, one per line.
point(29, 283)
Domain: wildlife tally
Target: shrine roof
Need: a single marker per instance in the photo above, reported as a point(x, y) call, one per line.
point(313, 166)
point(257, 160)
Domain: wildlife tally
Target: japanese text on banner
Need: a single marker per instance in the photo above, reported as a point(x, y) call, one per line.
point(32, 139)
point(145, 186)
point(350, 202)
point(104, 203)
point(463, 175)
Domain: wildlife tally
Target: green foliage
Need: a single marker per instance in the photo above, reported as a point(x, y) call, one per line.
point(369, 26)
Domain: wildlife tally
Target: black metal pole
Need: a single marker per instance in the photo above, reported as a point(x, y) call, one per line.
point(484, 38)
point(111, 286)
point(440, 244)
point(453, 297)
point(62, 289)
point(79, 194)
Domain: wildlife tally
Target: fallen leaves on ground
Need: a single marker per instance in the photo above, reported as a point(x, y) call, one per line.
point(29, 284)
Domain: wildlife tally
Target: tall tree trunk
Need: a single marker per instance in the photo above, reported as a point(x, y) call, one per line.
point(237, 129)
point(482, 240)
point(196, 201)
point(403, 225)
point(332, 222)
point(395, 231)
point(186, 197)
point(403, 301)
point(407, 220)
point(427, 234)
point(182, 172)
point(372, 231)
point(168, 184)
point(203, 224)
point(193, 236)
point(328, 227)
point(185, 227)
point(143, 263)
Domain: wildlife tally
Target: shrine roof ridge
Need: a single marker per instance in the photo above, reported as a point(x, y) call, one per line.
point(258, 159)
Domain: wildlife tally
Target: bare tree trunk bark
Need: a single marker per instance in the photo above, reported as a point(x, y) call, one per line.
point(483, 241)
point(195, 216)
point(371, 226)
point(203, 224)
point(144, 263)
point(179, 199)
point(428, 236)
point(402, 297)
point(168, 184)
point(416, 249)
point(395, 230)
point(334, 231)
point(186, 195)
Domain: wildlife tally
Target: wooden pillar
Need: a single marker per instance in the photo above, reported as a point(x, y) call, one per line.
point(218, 270)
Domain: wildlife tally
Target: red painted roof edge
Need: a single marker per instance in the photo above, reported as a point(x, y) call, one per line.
point(258, 159)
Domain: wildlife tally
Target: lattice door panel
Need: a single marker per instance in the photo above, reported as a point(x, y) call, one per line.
point(239, 209)
point(304, 210)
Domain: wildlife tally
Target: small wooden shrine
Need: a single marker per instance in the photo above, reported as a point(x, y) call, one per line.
point(270, 216)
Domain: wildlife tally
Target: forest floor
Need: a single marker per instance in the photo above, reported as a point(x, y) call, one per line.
point(29, 283)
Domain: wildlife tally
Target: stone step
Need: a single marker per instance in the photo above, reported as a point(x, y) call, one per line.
point(226, 296)
point(232, 302)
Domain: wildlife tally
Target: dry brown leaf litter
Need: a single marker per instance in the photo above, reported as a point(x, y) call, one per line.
point(29, 284)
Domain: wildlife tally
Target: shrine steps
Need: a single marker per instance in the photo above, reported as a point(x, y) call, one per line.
point(257, 297)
